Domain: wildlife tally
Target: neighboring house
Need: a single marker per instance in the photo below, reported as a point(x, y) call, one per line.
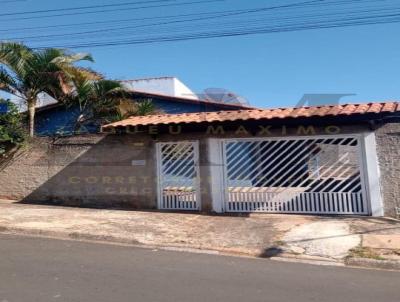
point(341, 159)
point(162, 85)
point(168, 94)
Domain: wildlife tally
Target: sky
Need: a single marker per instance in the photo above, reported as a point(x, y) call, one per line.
point(269, 70)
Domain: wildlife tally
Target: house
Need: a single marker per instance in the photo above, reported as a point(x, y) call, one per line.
point(168, 94)
point(161, 85)
point(340, 160)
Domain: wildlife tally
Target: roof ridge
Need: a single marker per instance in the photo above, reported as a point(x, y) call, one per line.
point(259, 114)
point(333, 105)
point(279, 108)
point(149, 78)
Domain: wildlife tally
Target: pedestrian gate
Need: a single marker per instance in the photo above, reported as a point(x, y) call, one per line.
point(178, 176)
point(319, 175)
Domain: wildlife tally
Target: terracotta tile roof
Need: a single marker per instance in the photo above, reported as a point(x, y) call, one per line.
point(259, 114)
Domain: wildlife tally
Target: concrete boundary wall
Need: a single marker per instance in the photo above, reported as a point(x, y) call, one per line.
point(120, 170)
point(90, 170)
point(388, 151)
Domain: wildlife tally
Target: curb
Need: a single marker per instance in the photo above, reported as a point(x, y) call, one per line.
point(308, 261)
point(107, 239)
point(372, 263)
point(112, 240)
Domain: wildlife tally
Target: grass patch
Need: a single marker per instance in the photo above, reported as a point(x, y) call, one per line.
point(365, 252)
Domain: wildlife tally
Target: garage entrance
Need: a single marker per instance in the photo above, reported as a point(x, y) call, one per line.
point(316, 175)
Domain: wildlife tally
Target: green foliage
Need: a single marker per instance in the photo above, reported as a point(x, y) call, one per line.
point(127, 108)
point(145, 107)
point(365, 252)
point(27, 72)
point(103, 101)
point(12, 132)
point(95, 100)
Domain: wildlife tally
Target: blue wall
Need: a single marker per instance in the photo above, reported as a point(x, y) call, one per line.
point(181, 107)
point(60, 120)
point(56, 121)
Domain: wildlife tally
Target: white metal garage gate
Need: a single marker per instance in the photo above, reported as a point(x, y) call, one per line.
point(178, 176)
point(319, 175)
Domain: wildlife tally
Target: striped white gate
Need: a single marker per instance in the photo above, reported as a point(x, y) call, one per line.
point(318, 175)
point(178, 176)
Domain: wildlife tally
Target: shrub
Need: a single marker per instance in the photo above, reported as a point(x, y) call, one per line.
point(12, 132)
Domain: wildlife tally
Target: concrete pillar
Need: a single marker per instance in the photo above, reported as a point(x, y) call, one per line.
point(204, 181)
point(211, 175)
point(372, 174)
point(216, 174)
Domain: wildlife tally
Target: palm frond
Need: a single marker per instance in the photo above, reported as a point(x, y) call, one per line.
point(81, 73)
point(145, 107)
point(109, 89)
point(7, 82)
point(69, 59)
point(15, 56)
point(31, 72)
point(59, 70)
point(126, 108)
point(49, 56)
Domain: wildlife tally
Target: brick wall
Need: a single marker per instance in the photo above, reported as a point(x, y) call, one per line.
point(388, 149)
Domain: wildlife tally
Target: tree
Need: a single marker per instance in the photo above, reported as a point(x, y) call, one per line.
point(26, 73)
point(127, 108)
point(101, 101)
point(12, 132)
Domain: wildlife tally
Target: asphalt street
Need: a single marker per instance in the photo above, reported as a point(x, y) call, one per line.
point(37, 269)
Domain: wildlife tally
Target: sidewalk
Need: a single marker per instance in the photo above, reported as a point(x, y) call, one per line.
point(263, 235)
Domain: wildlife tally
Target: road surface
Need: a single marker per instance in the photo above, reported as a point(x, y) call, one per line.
point(33, 269)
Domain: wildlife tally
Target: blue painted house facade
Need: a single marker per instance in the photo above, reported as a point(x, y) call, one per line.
point(57, 119)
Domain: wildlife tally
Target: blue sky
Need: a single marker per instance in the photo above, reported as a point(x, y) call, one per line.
point(269, 70)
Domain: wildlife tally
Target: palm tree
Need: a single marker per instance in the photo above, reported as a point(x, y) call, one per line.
point(101, 101)
point(127, 108)
point(95, 101)
point(26, 73)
